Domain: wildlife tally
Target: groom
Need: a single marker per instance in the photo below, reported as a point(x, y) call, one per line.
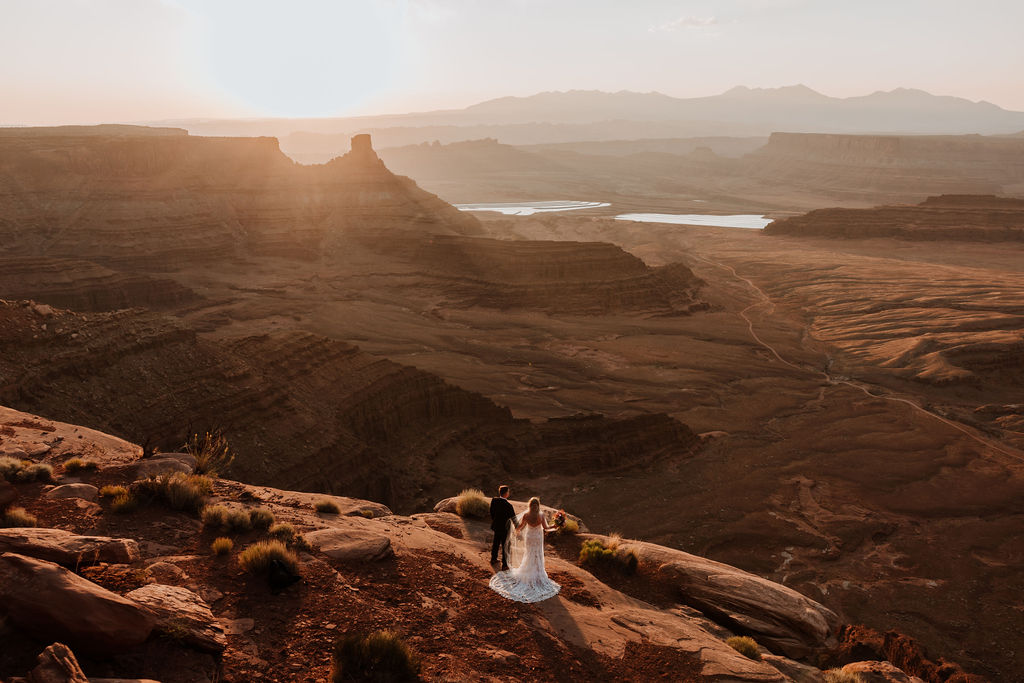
point(501, 514)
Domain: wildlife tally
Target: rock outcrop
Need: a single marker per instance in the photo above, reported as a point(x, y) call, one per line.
point(182, 614)
point(966, 218)
point(67, 549)
point(159, 202)
point(57, 664)
point(52, 602)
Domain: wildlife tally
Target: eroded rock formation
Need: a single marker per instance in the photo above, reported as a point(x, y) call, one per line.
point(968, 218)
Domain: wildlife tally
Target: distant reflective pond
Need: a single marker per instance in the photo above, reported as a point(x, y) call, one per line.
point(751, 221)
point(529, 208)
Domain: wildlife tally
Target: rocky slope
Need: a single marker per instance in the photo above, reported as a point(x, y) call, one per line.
point(965, 218)
point(303, 411)
point(152, 600)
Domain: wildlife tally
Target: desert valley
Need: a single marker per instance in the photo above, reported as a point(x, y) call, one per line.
point(759, 354)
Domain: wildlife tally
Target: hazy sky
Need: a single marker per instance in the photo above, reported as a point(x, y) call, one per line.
point(86, 61)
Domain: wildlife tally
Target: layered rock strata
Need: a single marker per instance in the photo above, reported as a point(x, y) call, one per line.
point(967, 218)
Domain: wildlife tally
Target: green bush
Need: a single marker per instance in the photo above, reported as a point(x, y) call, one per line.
point(472, 503)
point(17, 517)
point(380, 656)
point(328, 507)
point(222, 546)
point(124, 503)
point(211, 451)
point(78, 465)
point(283, 532)
point(110, 491)
point(596, 553)
point(261, 518)
point(257, 557)
point(840, 676)
point(746, 646)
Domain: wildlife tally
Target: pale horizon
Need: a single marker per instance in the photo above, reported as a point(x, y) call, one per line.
point(129, 61)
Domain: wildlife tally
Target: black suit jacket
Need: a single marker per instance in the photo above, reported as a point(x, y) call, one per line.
point(501, 512)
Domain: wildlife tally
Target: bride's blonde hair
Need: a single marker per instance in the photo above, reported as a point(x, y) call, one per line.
point(535, 504)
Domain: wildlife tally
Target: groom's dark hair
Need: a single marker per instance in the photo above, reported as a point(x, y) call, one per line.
point(503, 490)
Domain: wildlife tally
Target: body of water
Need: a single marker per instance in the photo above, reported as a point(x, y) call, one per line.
point(751, 221)
point(530, 208)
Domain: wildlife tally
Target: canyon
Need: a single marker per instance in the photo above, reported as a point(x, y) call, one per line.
point(841, 416)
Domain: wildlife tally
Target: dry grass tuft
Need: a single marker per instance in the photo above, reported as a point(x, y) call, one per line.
point(178, 490)
point(222, 546)
point(283, 532)
point(327, 507)
point(840, 676)
point(124, 503)
point(258, 558)
point(78, 465)
point(746, 646)
point(379, 656)
point(261, 518)
point(17, 517)
point(110, 491)
point(472, 503)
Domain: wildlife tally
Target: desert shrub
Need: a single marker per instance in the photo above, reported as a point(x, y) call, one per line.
point(472, 503)
point(17, 517)
point(327, 507)
point(9, 468)
point(368, 514)
point(214, 516)
point(212, 453)
point(78, 465)
point(34, 472)
point(283, 532)
point(237, 521)
point(571, 526)
point(124, 503)
point(110, 491)
point(596, 553)
point(379, 656)
point(177, 490)
point(261, 518)
point(840, 676)
point(222, 545)
point(745, 645)
point(258, 557)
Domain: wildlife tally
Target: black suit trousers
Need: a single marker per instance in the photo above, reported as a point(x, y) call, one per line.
point(500, 540)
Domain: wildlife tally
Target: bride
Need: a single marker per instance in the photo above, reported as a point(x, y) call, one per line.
point(527, 582)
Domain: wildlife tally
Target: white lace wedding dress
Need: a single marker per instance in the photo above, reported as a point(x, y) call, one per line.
point(527, 582)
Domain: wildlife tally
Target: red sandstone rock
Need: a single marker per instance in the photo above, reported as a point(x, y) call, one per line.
point(66, 548)
point(53, 603)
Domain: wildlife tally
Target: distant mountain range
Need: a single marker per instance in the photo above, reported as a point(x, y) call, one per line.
point(594, 115)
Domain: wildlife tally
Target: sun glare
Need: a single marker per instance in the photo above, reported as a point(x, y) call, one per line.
point(299, 59)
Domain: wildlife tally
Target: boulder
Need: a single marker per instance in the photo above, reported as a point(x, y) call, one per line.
point(448, 505)
point(84, 491)
point(795, 671)
point(352, 544)
point(879, 672)
point(66, 548)
point(51, 602)
point(182, 614)
point(57, 664)
point(778, 617)
point(160, 465)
